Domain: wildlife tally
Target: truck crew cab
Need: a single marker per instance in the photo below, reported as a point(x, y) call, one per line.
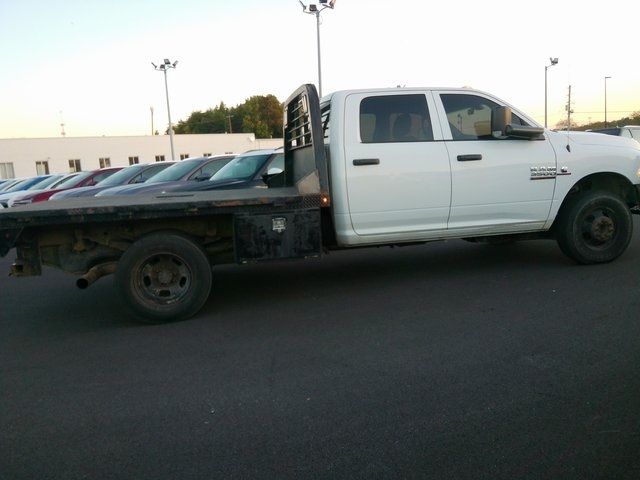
point(362, 168)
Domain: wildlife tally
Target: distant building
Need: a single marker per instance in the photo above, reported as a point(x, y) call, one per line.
point(25, 157)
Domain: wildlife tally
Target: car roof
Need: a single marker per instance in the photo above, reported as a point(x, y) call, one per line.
point(261, 151)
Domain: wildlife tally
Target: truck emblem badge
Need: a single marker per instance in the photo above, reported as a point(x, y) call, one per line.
point(543, 172)
point(279, 224)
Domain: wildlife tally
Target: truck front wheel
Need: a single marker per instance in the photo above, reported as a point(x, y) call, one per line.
point(164, 277)
point(595, 227)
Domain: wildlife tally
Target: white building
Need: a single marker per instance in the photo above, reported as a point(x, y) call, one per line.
point(26, 157)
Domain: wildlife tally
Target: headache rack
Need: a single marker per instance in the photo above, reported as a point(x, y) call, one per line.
point(305, 161)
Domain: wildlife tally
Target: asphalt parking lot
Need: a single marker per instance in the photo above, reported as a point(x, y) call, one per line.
point(443, 361)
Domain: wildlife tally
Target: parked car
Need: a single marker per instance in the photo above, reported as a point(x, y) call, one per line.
point(190, 170)
point(135, 174)
point(248, 170)
point(82, 179)
point(20, 187)
point(24, 183)
point(629, 131)
point(43, 182)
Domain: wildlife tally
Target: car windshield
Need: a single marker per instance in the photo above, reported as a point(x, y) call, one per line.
point(72, 181)
point(175, 172)
point(62, 180)
point(121, 177)
point(18, 186)
point(6, 186)
point(241, 168)
point(45, 182)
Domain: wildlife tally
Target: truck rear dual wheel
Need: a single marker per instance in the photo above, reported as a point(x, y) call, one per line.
point(164, 277)
point(595, 227)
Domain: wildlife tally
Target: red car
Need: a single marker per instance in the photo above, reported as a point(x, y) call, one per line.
point(82, 179)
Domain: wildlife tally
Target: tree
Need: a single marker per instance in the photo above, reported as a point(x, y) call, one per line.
point(213, 120)
point(259, 114)
point(633, 119)
point(562, 124)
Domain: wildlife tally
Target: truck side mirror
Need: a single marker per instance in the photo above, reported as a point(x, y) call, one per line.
point(501, 126)
point(500, 118)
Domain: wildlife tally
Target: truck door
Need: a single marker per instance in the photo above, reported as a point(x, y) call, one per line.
point(493, 182)
point(398, 173)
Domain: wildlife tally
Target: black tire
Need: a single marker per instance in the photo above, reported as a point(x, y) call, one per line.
point(595, 227)
point(164, 277)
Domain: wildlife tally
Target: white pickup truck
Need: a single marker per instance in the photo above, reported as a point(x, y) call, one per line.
point(362, 168)
point(427, 164)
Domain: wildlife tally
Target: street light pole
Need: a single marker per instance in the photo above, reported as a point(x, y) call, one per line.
point(554, 61)
point(163, 67)
point(605, 101)
point(316, 9)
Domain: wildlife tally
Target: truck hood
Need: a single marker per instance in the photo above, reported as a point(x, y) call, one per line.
point(592, 138)
point(78, 192)
point(129, 189)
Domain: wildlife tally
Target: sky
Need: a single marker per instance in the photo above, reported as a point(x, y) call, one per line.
point(88, 63)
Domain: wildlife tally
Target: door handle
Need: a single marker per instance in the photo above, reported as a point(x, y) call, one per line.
point(366, 161)
point(469, 158)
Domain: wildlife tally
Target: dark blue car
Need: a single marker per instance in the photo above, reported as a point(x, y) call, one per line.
point(248, 170)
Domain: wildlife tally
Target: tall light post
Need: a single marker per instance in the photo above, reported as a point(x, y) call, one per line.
point(163, 67)
point(316, 9)
point(554, 61)
point(605, 101)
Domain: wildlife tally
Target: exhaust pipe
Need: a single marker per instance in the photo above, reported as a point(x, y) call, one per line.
point(95, 273)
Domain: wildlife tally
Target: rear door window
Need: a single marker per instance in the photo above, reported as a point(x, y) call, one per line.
point(395, 118)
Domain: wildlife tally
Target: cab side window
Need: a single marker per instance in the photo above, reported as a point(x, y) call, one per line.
point(469, 116)
point(395, 118)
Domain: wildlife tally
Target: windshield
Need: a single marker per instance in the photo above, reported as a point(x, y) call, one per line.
point(62, 180)
point(46, 182)
point(70, 182)
point(6, 186)
point(175, 172)
point(18, 186)
point(241, 168)
point(121, 177)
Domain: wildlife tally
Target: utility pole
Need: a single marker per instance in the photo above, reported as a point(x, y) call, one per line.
point(151, 121)
point(569, 110)
point(605, 101)
point(229, 118)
